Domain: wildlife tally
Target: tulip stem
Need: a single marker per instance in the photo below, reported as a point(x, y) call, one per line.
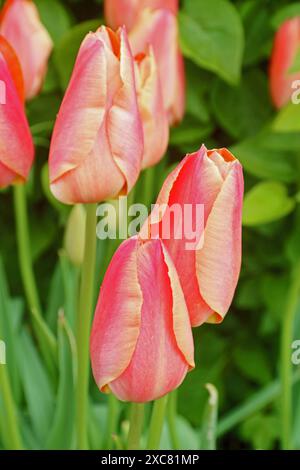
point(136, 426)
point(157, 422)
point(83, 327)
point(9, 410)
point(24, 249)
point(171, 416)
point(45, 337)
point(286, 362)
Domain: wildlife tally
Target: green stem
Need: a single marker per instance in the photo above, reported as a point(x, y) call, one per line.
point(83, 327)
point(136, 426)
point(171, 416)
point(112, 420)
point(255, 403)
point(10, 412)
point(45, 337)
point(24, 249)
point(285, 361)
point(156, 423)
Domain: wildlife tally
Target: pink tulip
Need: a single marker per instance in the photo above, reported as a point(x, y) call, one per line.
point(97, 144)
point(209, 274)
point(151, 107)
point(286, 46)
point(141, 342)
point(16, 148)
point(20, 24)
point(126, 12)
point(159, 28)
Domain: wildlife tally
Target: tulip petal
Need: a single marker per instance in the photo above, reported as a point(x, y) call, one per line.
point(159, 28)
point(82, 110)
point(181, 321)
point(124, 123)
point(16, 145)
point(21, 26)
point(196, 180)
point(151, 107)
point(126, 12)
point(157, 365)
point(286, 45)
point(218, 262)
point(116, 325)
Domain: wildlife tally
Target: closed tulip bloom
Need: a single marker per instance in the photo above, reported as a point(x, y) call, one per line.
point(151, 107)
point(20, 24)
point(16, 145)
point(97, 144)
point(208, 273)
point(126, 12)
point(141, 341)
point(159, 28)
point(285, 48)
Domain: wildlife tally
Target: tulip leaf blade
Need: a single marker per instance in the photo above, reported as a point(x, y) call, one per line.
point(266, 202)
point(212, 36)
point(61, 435)
point(210, 420)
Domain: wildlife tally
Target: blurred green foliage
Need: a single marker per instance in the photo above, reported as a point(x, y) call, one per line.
point(227, 45)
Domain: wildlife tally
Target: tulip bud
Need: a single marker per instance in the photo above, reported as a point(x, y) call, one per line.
point(141, 341)
point(285, 48)
point(17, 150)
point(159, 28)
point(75, 235)
point(126, 12)
point(97, 143)
point(20, 24)
point(209, 272)
point(151, 107)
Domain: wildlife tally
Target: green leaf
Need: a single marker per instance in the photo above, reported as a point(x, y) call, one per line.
point(287, 119)
point(243, 110)
point(211, 35)
point(285, 13)
point(252, 363)
point(187, 436)
point(55, 17)
point(261, 430)
point(198, 86)
point(61, 435)
point(266, 202)
point(210, 420)
point(258, 33)
point(37, 387)
point(264, 162)
point(67, 49)
point(8, 327)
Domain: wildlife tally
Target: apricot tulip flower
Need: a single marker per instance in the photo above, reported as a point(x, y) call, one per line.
point(16, 148)
point(97, 144)
point(20, 24)
point(126, 12)
point(159, 28)
point(208, 273)
point(141, 341)
point(286, 46)
point(151, 107)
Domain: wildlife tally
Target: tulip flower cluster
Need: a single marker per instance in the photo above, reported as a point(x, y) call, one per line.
point(125, 91)
point(155, 290)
